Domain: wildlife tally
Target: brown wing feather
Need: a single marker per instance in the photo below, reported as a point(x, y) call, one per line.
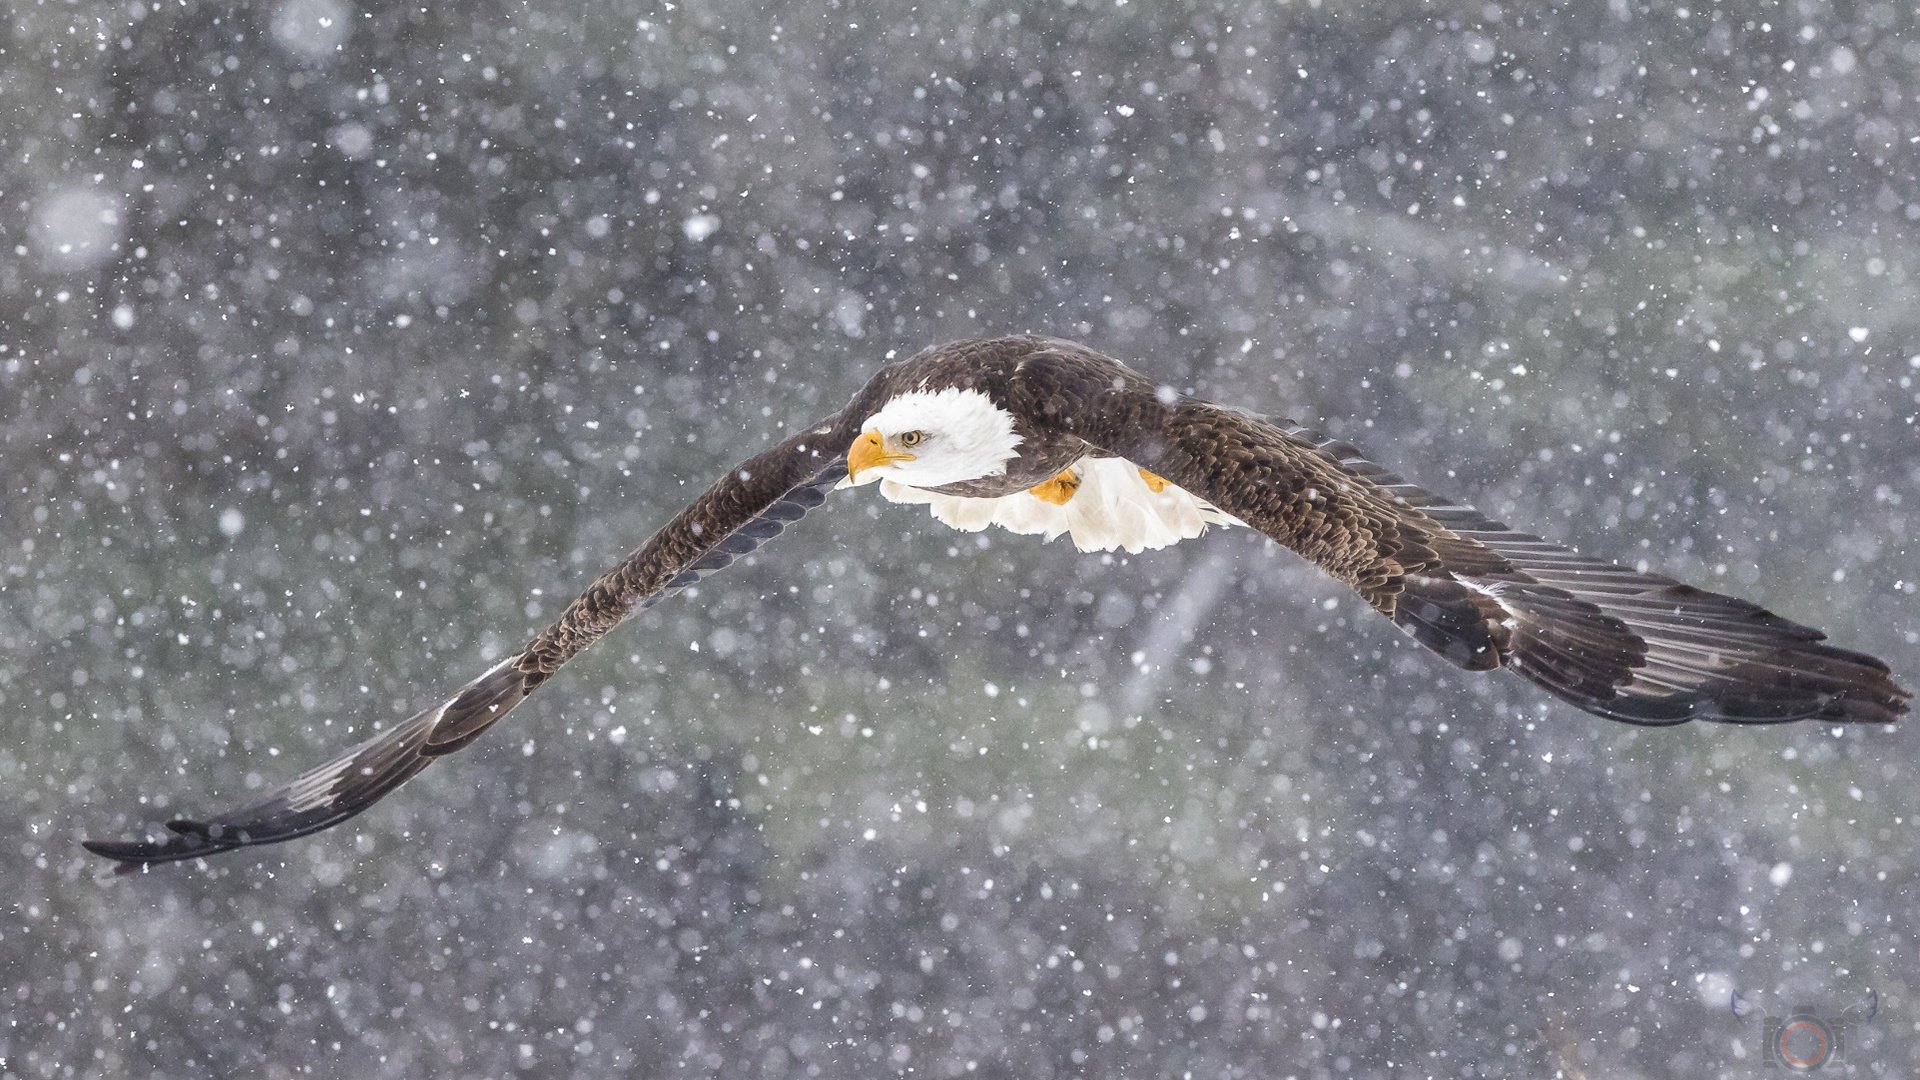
point(1627, 645)
point(748, 506)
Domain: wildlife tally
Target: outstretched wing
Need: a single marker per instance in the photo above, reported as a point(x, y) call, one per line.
point(317, 799)
point(1631, 646)
point(748, 506)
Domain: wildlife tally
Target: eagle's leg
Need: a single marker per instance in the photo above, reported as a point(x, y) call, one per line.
point(1057, 490)
point(1154, 481)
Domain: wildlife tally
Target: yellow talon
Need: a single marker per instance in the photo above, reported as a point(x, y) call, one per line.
point(1155, 482)
point(1057, 490)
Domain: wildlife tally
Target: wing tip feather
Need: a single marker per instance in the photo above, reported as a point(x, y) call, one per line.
point(189, 840)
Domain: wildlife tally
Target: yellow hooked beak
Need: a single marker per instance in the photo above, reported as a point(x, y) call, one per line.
point(869, 450)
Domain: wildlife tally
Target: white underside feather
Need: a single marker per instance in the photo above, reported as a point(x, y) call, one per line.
point(1112, 509)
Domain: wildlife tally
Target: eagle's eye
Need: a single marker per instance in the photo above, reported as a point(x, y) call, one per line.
point(912, 438)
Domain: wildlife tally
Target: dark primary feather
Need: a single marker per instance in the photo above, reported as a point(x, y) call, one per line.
point(748, 506)
point(317, 799)
point(1631, 646)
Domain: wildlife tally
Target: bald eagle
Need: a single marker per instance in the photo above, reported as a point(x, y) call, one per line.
point(1044, 436)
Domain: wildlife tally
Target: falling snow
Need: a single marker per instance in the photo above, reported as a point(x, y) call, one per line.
point(341, 343)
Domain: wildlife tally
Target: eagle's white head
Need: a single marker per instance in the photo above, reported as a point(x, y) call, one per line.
point(930, 438)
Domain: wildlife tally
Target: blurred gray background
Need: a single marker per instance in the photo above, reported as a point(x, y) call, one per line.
point(341, 343)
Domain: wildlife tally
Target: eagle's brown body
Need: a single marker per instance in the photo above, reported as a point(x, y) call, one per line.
point(1616, 642)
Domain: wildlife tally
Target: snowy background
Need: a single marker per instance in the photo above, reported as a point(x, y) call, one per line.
point(340, 344)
